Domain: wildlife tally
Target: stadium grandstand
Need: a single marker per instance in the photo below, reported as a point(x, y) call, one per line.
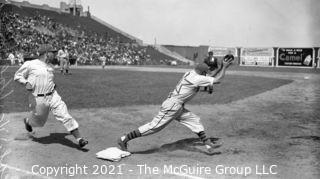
point(24, 26)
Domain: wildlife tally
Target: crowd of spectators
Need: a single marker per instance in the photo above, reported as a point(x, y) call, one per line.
point(21, 35)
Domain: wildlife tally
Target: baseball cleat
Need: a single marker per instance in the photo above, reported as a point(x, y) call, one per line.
point(26, 125)
point(123, 145)
point(82, 142)
point(211, 146)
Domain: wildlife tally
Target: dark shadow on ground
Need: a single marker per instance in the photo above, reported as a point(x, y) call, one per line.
point(58, 138)
point(314, 138)
point(188, 144)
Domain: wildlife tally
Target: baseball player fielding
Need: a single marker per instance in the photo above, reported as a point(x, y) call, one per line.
point(173, 108)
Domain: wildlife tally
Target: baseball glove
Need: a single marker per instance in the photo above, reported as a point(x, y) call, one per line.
point(228, 58)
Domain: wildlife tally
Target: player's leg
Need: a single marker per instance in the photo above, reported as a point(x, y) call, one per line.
point(39, 113)
point(168, 112)
point(193, 122)
point(67, 66)
point(60, 112)
point(61, 65)
point(64, 66)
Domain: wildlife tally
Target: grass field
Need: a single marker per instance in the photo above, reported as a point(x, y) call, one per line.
point(97, 88)
point(263, 119)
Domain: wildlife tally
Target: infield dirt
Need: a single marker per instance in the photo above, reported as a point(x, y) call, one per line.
point(278, 127)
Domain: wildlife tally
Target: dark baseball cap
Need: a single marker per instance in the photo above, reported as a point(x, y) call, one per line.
point(44, 48)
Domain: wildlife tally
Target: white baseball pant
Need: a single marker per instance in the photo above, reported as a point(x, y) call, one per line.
point(64, 64)
point(171, 110)
point(41, 105)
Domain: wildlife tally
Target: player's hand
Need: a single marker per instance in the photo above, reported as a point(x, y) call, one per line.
point(29, 86)
point(226, 64)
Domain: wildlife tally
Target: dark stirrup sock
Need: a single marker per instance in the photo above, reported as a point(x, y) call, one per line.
point(202, 136)
point(132, 135)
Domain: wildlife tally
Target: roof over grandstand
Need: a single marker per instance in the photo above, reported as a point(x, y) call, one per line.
point(212, 22)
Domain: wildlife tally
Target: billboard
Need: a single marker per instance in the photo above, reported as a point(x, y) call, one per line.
point(257, 57)
point(318, 61)
point(295, 57)
point(222, 51)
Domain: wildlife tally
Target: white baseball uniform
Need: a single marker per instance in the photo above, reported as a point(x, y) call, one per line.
point(63, 57)
point(103, 60)
point(173, 107)
point(11, 58)
point(44, 97)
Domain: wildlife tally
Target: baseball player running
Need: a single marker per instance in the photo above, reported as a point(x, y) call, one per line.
point(173, 107)
point(37, 77)
point(63, 57)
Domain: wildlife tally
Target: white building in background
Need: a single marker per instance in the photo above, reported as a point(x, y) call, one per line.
point(73, 7)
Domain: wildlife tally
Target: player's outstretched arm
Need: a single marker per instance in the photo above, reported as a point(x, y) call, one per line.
point(221, 74)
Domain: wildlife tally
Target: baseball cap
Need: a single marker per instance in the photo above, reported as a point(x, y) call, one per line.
point(44, 48)
point(202, 67)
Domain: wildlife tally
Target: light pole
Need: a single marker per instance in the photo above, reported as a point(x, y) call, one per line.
point(75, 7)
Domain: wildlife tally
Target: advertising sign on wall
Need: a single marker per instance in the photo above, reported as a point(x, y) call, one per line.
point(297, 57)
point(222, 51)
point(257, 57)
point(318, 61)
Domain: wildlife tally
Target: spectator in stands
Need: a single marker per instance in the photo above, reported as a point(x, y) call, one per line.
point(26, 33)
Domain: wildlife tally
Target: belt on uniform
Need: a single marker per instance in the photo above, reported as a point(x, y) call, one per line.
point(47, 94)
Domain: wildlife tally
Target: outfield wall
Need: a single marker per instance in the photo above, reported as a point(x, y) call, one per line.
point(257, 57)
point(220, 52)
point(318, 59)
point(304, 57)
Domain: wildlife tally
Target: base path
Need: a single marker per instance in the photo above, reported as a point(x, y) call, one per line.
point(274, 134)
